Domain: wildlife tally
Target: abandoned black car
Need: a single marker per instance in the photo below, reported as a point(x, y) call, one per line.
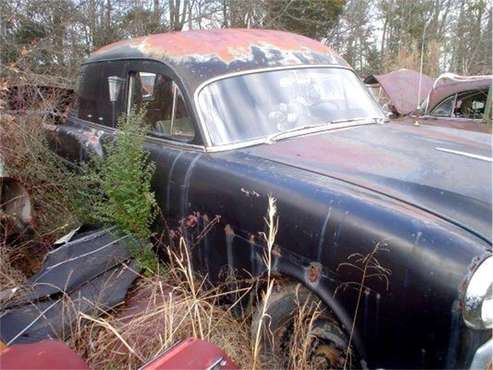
point(236, 116)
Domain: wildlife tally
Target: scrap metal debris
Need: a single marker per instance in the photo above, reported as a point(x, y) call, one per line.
point(400, 89)
point(90, 274)
point(47, 354)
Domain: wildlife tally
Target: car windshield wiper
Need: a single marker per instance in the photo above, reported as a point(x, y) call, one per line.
point(278, 135)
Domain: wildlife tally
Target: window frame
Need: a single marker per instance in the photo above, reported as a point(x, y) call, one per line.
point(221, 148)
point(103, 108)
point(464, 93)
point(452, 97)
point(157, 67)
point(468, 94)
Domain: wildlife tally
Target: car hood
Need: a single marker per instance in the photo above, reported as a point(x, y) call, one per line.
point(446, 172)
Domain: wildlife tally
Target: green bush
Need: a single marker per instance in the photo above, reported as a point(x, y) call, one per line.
point(120, 182)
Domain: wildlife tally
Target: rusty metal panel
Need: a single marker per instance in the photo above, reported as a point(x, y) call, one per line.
point(200, 55)
point(402, 87)
point(46, 354)
point(191, 354)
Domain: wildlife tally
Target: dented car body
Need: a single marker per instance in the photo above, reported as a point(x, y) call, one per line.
point(238, 115)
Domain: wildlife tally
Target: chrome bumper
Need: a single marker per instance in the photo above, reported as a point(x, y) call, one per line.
point(483, 356)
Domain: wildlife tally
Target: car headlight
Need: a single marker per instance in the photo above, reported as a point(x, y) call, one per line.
point(478, 300)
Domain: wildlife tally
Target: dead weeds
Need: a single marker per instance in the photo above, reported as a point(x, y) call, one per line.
point(162, 310)
point(51, 184)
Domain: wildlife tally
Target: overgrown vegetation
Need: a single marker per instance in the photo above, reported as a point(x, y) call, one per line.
point(51, 182)
point(120, 182)
point(118, 188)
point(167, 305)
point(162, 310)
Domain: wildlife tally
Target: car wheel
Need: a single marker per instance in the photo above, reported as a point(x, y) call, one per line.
point(299, 331)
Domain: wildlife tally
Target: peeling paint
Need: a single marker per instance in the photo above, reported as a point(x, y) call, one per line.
point(313, 272)
point(250, 193)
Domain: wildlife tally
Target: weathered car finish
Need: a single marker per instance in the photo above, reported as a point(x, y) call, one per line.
point(344, 191)
point(452, 90)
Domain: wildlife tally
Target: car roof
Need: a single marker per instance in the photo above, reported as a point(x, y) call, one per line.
point(197, 56)
point(444, 90)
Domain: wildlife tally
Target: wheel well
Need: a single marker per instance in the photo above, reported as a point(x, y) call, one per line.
point(290, 276)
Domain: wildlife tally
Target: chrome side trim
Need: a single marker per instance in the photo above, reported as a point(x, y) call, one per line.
point(175, 144)
point(458, 119)
point(216, 148)
point(466, 154)
point(483, 356)
point(149, 138)
point(217, 364)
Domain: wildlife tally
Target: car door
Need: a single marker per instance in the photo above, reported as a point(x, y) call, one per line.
point(173, 140)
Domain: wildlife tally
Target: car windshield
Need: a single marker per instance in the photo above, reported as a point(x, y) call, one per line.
point(262, 105)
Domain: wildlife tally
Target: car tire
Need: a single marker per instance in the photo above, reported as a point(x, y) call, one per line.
point(275, 338)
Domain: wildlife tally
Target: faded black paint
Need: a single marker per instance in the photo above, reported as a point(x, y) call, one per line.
point(339, 193)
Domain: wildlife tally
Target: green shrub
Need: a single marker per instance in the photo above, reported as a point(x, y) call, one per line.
point(121, 181)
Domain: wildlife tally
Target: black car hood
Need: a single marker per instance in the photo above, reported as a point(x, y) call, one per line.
point(417, 165)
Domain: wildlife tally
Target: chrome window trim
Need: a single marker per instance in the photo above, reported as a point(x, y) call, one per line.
point(170, 143)
point(209, 147)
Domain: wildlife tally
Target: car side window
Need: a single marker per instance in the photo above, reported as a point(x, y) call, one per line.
point(165, 112)
point(100, 98)
point(87, 92)
point(470, 105)
point(444, 109)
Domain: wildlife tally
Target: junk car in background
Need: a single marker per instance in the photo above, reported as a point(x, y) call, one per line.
point(389, 227)
point(459, 102)
point(399, 92)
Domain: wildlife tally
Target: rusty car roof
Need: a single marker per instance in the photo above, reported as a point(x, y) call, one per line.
point(402, 87)
point(446, 89)
point(197, 56)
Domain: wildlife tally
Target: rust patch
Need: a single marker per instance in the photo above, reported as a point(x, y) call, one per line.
point(313, 272)
point(227, 45)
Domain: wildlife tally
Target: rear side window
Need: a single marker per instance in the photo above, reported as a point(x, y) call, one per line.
point(88, 92)
point(101, 95)
point(163, 102)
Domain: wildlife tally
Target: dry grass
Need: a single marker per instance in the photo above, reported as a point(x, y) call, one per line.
point(302, 337)
point(51, 184)
point(163, 309)
point(270, 237)
point(172, 305)
point(10, 276)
